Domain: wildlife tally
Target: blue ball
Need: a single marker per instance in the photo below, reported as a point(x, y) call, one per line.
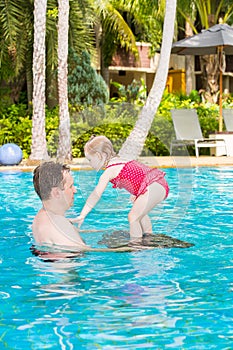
point(10, 154)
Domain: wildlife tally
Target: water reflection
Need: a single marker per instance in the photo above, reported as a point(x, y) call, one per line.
point(58, 279)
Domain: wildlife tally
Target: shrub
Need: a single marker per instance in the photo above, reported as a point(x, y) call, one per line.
point(85, 86)
point(115, 120)
point(15, 127)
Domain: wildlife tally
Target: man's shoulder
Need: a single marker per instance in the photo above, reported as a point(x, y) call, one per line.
point(42, 223)
point(41, 217)
point(55, 229)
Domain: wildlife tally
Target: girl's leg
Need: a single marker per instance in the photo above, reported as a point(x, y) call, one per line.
point(142, 206)
point(146, 224)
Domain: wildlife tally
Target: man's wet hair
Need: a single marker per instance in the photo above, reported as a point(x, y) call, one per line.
point(48, 175)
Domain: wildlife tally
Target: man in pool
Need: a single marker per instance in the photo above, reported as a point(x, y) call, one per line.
point(54, 185)
point(51, 230)
point(55, 236)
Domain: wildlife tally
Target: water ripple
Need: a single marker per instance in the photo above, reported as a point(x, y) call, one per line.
point(158, 299)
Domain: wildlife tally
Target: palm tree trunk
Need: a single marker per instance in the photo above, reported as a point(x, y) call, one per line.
point(132, 149)
point(189, 63)
point(39, 146)
point(189, 76)
point(64, 149)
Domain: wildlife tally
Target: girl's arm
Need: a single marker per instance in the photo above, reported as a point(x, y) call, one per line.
point(93, 198)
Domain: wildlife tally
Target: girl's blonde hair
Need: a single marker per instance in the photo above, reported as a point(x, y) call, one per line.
point(101, 145)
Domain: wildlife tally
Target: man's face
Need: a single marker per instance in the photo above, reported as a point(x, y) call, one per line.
point(69, 189)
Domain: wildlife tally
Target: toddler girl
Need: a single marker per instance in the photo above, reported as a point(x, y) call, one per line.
point(148, 186)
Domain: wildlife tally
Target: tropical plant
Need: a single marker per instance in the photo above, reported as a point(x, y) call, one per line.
point(16, 30)
point(115, 120)
point(39, 141)
point(112, 31)
point(80, 36)
point(16, 51)
point(133, 93)
point(201, 14)
point(146, 19)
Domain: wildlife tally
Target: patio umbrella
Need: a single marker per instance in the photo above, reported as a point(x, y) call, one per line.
point(214, 40)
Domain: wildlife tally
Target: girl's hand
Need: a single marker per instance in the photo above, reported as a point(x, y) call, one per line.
point(78, 220)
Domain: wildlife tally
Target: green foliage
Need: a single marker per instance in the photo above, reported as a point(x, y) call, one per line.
point(85, 86)
point(150, 17)
point(115, 30)
point(115, 120)
point(132, 93)
point(15, 127)
point(145, 18)
point(116, 132)
point(16, 25)
point(204, 11)
point(116, 123)
point(17, 29)
point(5, 98)
point(52, 131)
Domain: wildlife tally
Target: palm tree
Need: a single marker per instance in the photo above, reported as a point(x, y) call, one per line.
point(111, 31)
point(39, 146)
point(121, 23)
point(16, 30)
point(130, 148)
point(81, 38)
point(146, 17)
point(64, 150)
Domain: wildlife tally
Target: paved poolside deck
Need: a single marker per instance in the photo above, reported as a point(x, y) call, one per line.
point(161, 162)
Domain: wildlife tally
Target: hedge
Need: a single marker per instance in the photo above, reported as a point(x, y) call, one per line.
point(115, 120)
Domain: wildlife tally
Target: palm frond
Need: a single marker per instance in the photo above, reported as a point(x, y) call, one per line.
point(16, 25)
point(113, 22)
point(81, 34)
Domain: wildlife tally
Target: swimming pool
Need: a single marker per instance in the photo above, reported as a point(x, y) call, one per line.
point(158, 299)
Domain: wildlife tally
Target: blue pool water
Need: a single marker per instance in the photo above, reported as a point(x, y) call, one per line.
point(157, 299)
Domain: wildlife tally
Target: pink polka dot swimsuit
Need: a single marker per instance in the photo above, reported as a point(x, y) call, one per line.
point(135, 177)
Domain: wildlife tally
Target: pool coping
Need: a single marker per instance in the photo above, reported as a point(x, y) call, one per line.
point(160, 162)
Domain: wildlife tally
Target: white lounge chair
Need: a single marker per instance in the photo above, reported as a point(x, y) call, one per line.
point(228, 119)
point(188, 131)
